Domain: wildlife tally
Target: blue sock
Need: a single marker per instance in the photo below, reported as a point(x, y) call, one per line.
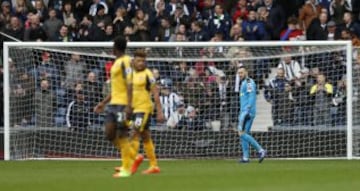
point(248, 138)
point(245, 147)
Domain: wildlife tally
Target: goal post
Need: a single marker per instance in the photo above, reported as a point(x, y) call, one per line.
point(201, 77)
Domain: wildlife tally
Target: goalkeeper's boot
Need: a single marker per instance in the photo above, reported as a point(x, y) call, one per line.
point(138, 160)
point(262, 154)
point(242, 160)
point(152, 170)
point(122, 174)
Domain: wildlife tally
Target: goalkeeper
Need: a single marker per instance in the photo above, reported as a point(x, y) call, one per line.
point(119, 110)
point(144, 85)
point(247, 115)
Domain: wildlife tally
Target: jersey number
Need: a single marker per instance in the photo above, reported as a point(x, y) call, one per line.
point(138, 122)
point(120, 116)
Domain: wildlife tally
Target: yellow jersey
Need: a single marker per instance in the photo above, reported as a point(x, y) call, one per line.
point(120, 77)
point(143, 81)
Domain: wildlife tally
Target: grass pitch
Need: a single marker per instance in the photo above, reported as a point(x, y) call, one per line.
point(183, 175)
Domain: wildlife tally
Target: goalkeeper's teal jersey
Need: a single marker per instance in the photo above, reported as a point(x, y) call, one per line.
point(248, 96)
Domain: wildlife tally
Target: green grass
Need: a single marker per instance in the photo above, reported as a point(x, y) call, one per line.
point(183, 175)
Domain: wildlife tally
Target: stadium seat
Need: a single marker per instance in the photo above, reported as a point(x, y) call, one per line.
point(59, 121)
point(61, 111)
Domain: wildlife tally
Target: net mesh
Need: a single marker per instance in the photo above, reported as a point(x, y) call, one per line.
point(301, 100)
point(356, 102)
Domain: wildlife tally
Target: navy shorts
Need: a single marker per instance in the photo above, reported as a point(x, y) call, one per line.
point(116, 114)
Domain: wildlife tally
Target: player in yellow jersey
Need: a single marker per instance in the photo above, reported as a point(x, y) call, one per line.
point(119, 109)
point(144, 86)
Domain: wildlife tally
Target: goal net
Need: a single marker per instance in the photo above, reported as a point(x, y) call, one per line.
point(303, 107)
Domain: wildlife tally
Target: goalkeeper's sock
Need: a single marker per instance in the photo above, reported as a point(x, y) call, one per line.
point(252, 141)
point(126, 148)
point(245, 148)
point(150, 152)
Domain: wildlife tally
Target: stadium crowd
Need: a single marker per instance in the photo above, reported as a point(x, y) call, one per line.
point(194, 95)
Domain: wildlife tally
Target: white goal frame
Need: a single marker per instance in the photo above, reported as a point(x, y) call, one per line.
point(347, 44)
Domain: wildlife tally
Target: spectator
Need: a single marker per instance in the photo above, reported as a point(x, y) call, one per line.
point(252, 29)
point(339, 104)
point(300, 93)
point(192, 120)
point(94, 7)
point(120, 21)
point(292, 32)
point(67, 14)
point(165, 30)
point(140, 23)
point(41, 10)
point(193, 91)
point(338, 9)
point(236, 32)
point(58, 5)
point(88, 30)
point(334, 67)
point(241, 11)
point(71, 92)
point(22, 92)
point(109, 33)
point(345, 34)
point(47, 70)
point(35, 32)
point(77, 114)
point(277, 93)
point(214, 106)
point(21, 9)
point(332, 32)
point(223, 90)
point(92, 89)
point(292, 69)
point(321, 94)
point(15, 29)
point(45, 104)
point(220, 22)
point(81, 9)
point(160, 9)
point(52, 25)
point(308, 12)
point(176, 120)
point(356, 8)
point(74, 71)
point(181, 72)
point(275, 19)
point(317, 29)
point(169, 101)
point(130, 35)
point(180, 52)
point(101, 16)
point(5, 14)
point(355, 39)
point(207, 11)
point(356, 88)
point(350, 24)
point(179, 17)
point(63, 35)
point(173, 5)
point(129, 5)
point(73, 29)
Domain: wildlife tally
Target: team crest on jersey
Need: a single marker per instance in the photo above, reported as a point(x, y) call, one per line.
point(128, 70)
point(152, 80)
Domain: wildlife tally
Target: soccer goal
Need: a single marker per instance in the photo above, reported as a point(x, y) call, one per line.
point(307, 98)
